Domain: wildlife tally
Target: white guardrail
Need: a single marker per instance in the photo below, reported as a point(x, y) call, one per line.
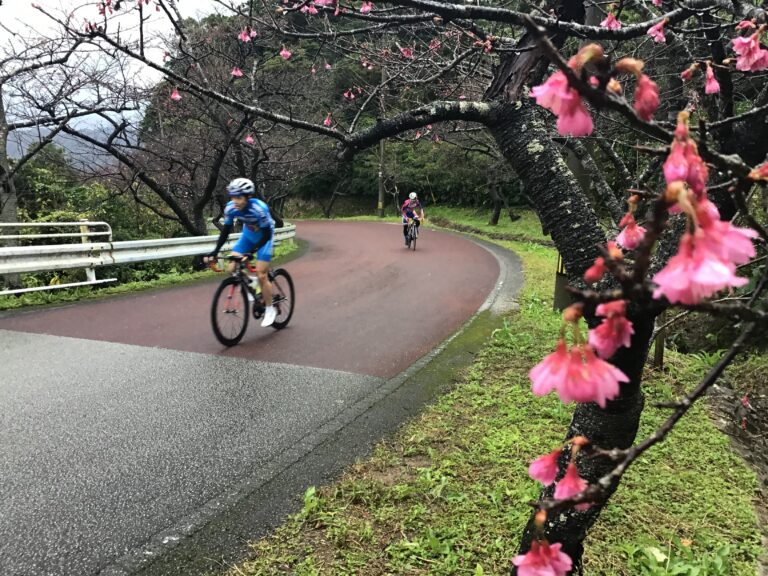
point(90, 255)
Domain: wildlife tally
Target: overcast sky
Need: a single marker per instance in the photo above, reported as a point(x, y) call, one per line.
point(18, 16)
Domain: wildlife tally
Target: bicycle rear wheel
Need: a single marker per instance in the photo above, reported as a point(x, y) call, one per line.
point(283, 297)
point(229, 312)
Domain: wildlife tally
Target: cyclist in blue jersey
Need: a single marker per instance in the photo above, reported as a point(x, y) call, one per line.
point(258, 230)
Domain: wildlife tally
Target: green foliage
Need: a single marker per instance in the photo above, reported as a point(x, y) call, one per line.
point(679, 559)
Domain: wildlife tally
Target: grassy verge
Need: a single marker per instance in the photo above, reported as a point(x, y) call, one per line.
point(449, 493)
point(163, 280)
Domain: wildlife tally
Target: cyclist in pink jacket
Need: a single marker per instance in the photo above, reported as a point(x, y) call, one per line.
point(410, 208)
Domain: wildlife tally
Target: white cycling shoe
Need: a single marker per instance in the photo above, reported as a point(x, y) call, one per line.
point(269, 316)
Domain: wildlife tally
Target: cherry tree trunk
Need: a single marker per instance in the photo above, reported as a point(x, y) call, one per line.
point(567, 214)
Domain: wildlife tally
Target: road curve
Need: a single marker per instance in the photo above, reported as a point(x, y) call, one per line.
point(364, 304)
point(124, 423)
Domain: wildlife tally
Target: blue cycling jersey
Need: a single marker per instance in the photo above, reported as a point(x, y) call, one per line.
point(256, 215)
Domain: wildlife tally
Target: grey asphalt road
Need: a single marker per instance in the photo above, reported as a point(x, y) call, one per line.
point(112, 452)
point(97, 456)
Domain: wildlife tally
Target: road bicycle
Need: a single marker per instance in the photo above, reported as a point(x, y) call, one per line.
point(238, 292)
point(412, 233)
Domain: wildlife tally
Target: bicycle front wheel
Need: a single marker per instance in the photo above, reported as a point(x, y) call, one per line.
point(229, 313)
point(283, 298)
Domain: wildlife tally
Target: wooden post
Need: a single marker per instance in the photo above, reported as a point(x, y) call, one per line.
point(562, 298)
point(658, 351)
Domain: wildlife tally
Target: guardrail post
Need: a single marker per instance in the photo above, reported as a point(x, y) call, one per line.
point(90, 273)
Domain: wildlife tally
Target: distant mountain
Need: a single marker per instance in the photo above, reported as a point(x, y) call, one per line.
point(77, 150)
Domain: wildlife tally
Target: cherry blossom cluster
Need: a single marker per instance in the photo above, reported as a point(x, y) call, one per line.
point(573, 119)
point(708, 255)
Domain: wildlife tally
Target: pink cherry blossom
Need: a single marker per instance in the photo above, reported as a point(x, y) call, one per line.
point(657, 3)
point(544, 468)
point(698, 173)
point(746, 25)
point(632, 233)
point(589, 379)
point(614, 332)
point(248, 139)
point(553, 92)
point(611, 22)
point(366, 8)
point(285, 53)
point(751, 57)
point(327, 121)
point(555, 95)
point(712, 86)
point(313, 70)
point(244, 36)
point(434, 45)
point(547, 374)
point(657, 32)
point(406, 52)
point(253, 33)
point(236, 72)
point(327, 66)
point(595, 272)
point(309, 9)
point(175, 96)
point(676, 166)
point(570, 485)
point(697, 271)
point(646, 97)
point(577, 375)
point(575, 121)
point(543, 559)
point(730, 243)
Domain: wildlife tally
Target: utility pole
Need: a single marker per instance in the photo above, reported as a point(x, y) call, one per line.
point(381, 146)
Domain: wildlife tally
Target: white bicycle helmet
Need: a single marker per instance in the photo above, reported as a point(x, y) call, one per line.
point(412, 196)
point(240, 187)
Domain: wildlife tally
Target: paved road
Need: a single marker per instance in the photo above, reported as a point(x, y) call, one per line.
point(124, 422)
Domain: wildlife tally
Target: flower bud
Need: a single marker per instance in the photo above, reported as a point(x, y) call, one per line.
point(615, 252)
point(573, 313)
point(630, 66)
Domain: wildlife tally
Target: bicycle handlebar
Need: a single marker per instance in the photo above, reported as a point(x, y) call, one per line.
point(212, 264)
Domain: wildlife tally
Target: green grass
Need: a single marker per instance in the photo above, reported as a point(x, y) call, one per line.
point(449, 493)
point(163, 280)
point(527, 227)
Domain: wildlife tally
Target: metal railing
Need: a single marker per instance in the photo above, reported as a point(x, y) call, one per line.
point(85, 233)
point(90, 255)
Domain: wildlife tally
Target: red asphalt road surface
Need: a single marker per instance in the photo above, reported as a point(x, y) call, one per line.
point(364, 303)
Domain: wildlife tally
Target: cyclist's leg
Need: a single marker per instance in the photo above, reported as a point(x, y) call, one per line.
point(263, 258)
point(405, 228)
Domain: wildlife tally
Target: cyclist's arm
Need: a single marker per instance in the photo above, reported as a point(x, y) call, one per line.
point(223, 235)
